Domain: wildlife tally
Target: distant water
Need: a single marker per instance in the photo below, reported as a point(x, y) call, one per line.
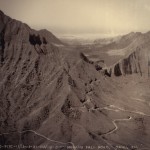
point(86, 36)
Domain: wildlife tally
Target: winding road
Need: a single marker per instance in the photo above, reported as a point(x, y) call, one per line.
point(36, 133)
point(115, 124)
point(130, 111)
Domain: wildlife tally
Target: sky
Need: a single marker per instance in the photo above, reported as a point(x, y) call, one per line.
point(81, 16)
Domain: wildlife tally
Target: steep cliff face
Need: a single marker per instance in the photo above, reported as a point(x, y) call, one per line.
point(137, 62)
point(14, 33)
point(27, 58)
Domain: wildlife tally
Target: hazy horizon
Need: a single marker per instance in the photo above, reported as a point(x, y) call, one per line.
point(79, 17)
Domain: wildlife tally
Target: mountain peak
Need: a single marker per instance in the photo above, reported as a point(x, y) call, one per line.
point(1, 12)
point(17, 31)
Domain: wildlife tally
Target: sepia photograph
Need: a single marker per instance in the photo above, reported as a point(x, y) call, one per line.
point(74, 75)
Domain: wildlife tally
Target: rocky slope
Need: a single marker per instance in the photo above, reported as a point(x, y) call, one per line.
point(54, 97)
point(137, 60)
